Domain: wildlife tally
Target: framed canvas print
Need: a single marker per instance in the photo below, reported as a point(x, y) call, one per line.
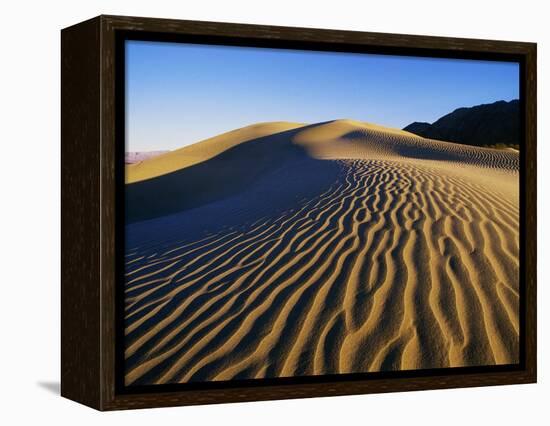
point(255, 212)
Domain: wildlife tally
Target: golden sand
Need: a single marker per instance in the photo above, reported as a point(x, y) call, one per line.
point(407, 259)
point(201, 151)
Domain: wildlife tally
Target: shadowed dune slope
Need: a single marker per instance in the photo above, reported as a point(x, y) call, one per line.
point(230, 168)
point(339, 247)
point(202, 151)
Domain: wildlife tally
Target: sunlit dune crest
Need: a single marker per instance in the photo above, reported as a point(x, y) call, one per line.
point(202, 151)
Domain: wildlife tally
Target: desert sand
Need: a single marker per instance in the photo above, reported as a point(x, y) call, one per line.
point(285, 249)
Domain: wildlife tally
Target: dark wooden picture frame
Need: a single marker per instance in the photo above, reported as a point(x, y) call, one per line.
point(91, 153)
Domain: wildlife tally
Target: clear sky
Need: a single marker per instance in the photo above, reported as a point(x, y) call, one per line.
point(178, 94)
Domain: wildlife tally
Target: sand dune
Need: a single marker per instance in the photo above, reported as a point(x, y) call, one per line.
point(202, 151)
point(338, 247)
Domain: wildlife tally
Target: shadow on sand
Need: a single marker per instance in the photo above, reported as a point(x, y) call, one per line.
point(228, 174)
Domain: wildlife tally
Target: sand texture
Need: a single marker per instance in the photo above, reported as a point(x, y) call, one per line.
point(285, 249)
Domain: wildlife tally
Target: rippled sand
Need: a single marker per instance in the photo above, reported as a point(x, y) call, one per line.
point(286, 249)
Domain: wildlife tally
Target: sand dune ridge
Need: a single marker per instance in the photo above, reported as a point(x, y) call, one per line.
point(362, 249)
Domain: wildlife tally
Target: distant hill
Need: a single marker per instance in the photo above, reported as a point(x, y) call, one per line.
point(136, 157)
point(489, 125)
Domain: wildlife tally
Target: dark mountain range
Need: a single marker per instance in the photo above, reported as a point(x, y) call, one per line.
point(489, 125)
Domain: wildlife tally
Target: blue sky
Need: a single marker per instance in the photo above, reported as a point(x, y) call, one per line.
point(178, 94)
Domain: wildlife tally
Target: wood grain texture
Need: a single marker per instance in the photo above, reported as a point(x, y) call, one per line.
point(333, 37)
point(80, 209)
point(123, 402)
point(89, 200)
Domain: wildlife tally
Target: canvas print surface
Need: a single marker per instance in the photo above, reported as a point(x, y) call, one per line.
point(299, 213)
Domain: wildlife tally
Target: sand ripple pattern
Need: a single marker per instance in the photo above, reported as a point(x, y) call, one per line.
point(395, 266)
point(355, 140)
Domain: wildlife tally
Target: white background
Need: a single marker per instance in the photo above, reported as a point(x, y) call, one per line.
point(30, 210)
